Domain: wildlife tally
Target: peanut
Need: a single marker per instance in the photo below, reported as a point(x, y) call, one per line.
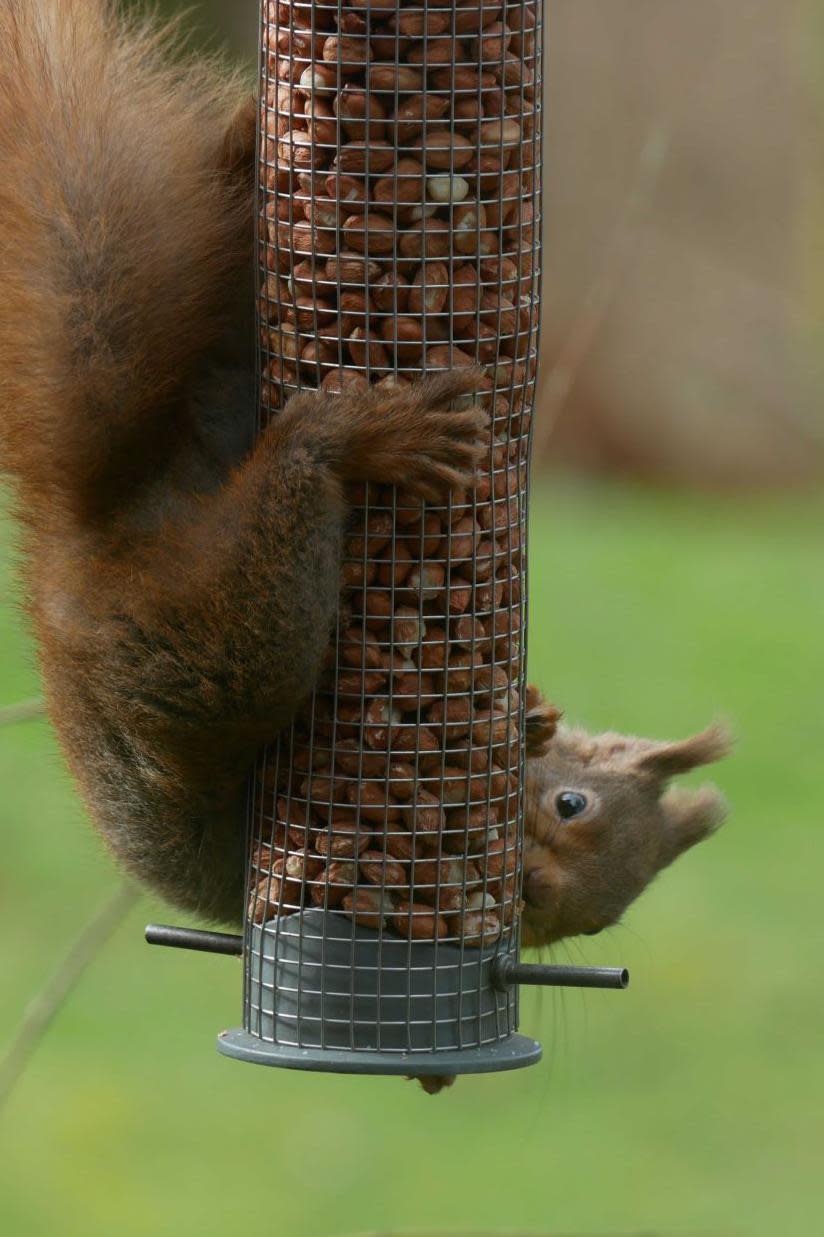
point(368, 907)
point(333, 882)
point(342, 839)
point(418, 922)
point(362, 115)
point(478, 928)
point(380, 869)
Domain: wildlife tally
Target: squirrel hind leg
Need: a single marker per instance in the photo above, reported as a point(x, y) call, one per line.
point(120, 241)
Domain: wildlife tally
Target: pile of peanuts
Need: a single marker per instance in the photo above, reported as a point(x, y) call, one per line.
point(399, 191)
point(400, 179)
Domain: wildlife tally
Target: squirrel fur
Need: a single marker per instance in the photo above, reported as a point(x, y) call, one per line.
point(182, 578)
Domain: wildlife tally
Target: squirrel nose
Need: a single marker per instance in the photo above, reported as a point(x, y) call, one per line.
point(537, 888)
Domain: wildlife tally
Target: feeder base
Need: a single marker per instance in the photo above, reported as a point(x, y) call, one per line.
point(514, 1053)
point(325, 993)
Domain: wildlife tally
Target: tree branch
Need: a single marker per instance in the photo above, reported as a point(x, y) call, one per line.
point(577, 343)
point(51, 998)
point(23, 711)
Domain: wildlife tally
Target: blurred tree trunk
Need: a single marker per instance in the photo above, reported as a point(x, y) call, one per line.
point(705, 364)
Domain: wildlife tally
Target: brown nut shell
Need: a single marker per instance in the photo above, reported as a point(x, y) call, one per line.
point(417, 921)
point(342, 839)
point(382, 870)
point(368, 907)
point(364, 158)
point(333, 882)
point(390, 293)
point(353, 106)
point(477, 928)
point(371, 233)
point(429, 291)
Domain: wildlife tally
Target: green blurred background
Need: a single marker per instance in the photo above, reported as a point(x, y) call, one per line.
point(690, 1104)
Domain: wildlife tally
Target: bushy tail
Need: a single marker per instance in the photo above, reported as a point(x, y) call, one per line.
point(120, 223)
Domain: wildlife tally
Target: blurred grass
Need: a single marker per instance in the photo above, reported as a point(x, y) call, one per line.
point(690, 1103)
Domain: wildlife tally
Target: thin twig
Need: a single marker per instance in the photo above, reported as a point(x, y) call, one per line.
point(48, 1002)
point(559, 381)
point(23, 711)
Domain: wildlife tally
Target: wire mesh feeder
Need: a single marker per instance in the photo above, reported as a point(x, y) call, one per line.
point(399, 199)
point(399, 217)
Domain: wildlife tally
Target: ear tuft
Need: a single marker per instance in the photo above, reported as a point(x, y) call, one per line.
point(541, 722)
point(666, 760)
point(689, 817)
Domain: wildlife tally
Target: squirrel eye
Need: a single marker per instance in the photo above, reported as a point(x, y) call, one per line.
point(570, 803)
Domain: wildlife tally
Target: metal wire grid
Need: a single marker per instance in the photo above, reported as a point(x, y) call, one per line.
point(399, 214)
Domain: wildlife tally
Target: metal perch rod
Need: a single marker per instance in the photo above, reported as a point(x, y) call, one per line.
point(190, 938)
point(506, 972)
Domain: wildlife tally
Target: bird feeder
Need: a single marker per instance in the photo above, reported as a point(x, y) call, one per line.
point(399, 216)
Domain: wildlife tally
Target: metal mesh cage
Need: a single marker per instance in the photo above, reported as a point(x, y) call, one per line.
point(399, 216)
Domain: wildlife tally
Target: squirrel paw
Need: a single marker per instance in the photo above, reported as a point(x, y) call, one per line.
point(541, 722)
point(421, 437)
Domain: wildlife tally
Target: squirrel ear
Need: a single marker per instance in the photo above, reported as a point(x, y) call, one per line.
point(689, 817)
point(666, 760)
point(541, 722)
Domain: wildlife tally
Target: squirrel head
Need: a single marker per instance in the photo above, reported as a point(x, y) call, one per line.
point(602, 820)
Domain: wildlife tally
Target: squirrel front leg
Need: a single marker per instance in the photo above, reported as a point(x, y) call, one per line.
point(209, 640)
point(267, 547)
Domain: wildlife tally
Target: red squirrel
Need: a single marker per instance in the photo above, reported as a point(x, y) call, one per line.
point(182, 578)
